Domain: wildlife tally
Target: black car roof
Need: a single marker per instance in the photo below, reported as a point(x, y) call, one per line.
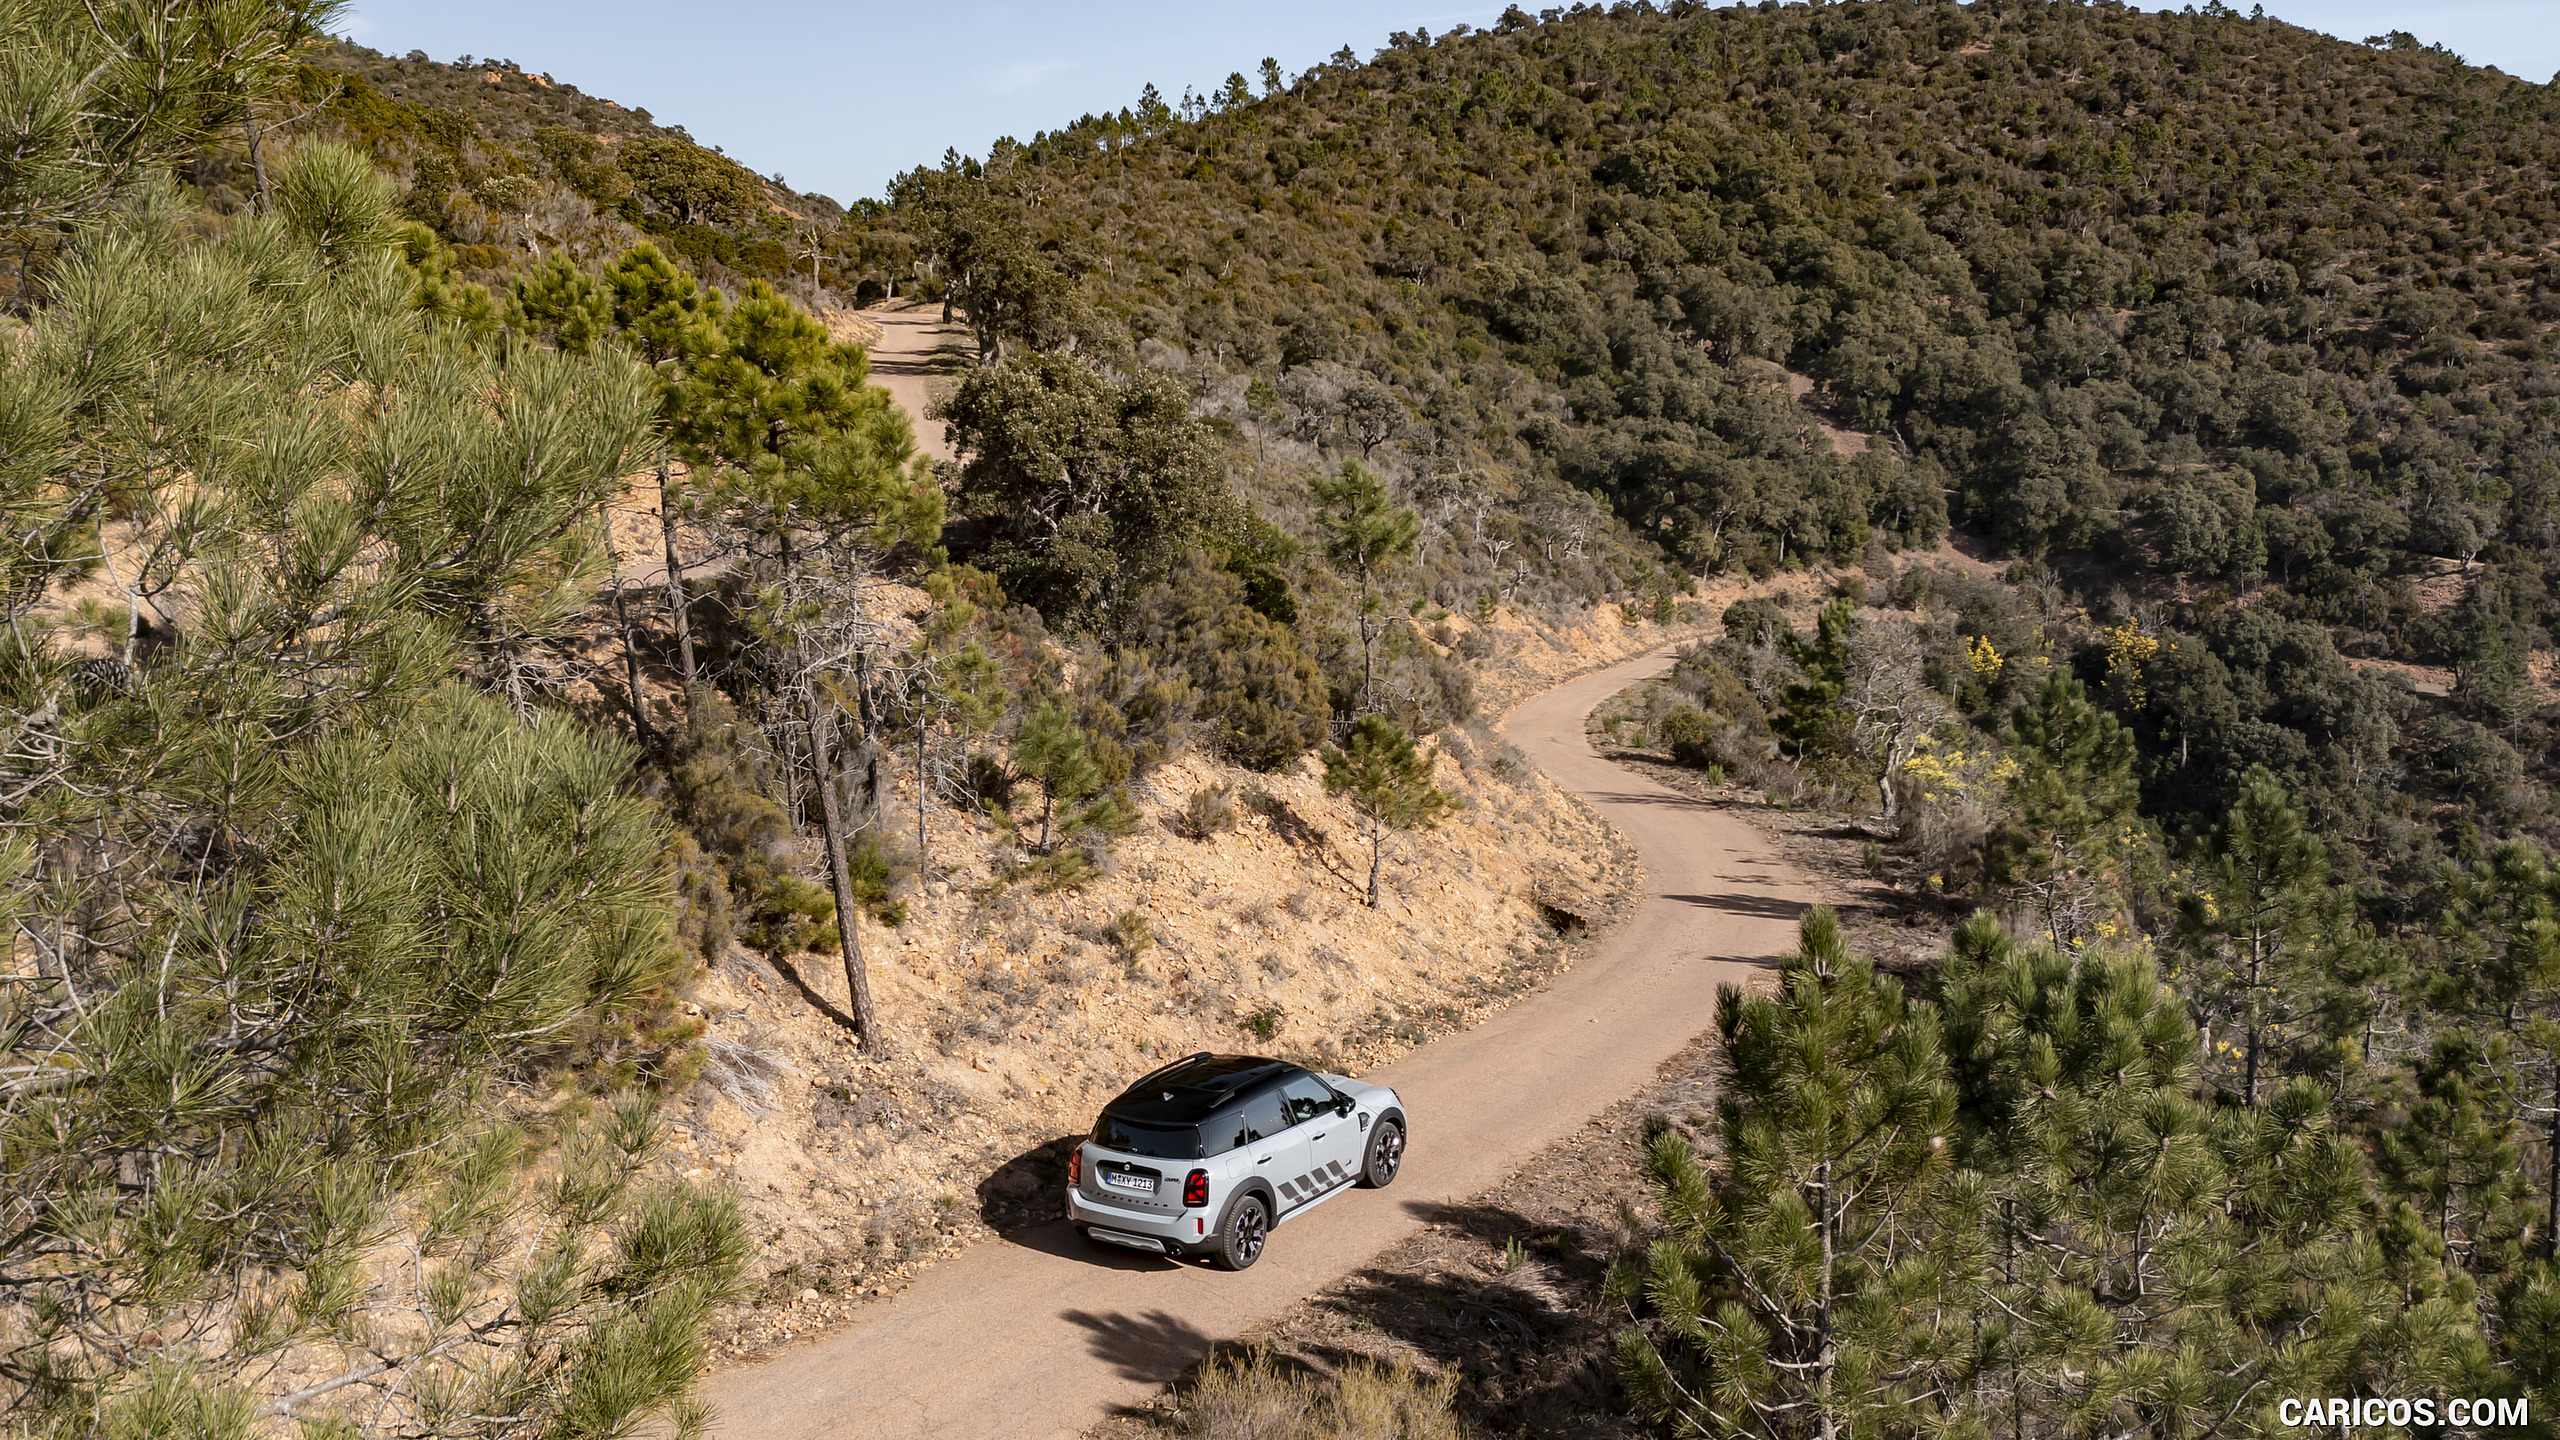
point(1193, 1088)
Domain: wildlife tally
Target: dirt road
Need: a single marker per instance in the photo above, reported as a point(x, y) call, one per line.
point(914, 351)
point(1039, 1335)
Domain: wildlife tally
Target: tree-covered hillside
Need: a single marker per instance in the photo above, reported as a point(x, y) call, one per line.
point(371, 802)
point(2230, 342)
point(2240, 328)
point(509, 164)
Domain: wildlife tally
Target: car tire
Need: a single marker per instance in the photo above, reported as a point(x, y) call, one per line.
point(1386, 1153)
point(1242, 1233)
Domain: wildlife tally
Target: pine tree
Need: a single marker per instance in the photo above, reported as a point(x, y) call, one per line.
point(2073, 836)
point(563, 304)
point(1812, 722)
point(1389, 784)
point(2457, 1158)
point(2076, 1075)
point(814, 471)
point(2268, 946)
point(1818, 1279)
point(439, 291)
point(2497, 970)
point(103, 96)
point(669, 322)
point(2328, 1289)
point(2157, 1265)
point(511, 544)
point(1364, 531)
point(796, 436)
point(299, 890)
point(1050, 749)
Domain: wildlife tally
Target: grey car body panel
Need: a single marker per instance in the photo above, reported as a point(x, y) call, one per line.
point(1289, 1185)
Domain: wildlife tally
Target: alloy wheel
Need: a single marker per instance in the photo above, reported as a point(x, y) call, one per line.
point(1250, 1231)
point(1390, 1152)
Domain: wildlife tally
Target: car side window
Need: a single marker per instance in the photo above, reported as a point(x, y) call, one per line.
point(1307, 1097)
point(1265, 1115)
point(1223, 1132)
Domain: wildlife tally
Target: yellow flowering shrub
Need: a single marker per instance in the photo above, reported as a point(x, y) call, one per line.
point(2128, 650)
point(1950, 790)
point(1951, 773)
point(1984, 660)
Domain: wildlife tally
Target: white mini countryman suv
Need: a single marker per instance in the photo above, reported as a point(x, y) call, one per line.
point(1204, 1156)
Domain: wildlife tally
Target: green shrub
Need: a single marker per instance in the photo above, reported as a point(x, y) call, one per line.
point(874, 869)
point(1136, 713)
point(790, 915)
point(1755, 621)
point(1130, 931)
point(1210, 810)
point(1688, 735)
point(1262, 698)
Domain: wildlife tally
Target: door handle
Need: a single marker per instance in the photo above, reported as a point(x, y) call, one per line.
point(1263, 1160)
point(1317, 1136)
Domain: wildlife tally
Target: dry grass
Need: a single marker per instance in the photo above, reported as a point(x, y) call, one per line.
point(1253, 1399)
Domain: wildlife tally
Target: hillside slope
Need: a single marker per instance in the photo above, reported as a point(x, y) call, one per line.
point(1088, 1332)
point(2241, 331)
point(511, 164)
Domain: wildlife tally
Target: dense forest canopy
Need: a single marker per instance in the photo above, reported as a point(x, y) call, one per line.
point(2240, 329)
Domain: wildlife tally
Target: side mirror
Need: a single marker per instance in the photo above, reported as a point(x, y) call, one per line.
point(1344, 1105)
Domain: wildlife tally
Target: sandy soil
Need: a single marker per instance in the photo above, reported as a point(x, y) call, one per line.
point(1038, 1335)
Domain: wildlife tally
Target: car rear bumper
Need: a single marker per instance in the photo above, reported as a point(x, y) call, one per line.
point(1186, 1230)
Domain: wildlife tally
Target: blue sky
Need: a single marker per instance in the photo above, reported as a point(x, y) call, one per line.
point(840, 97)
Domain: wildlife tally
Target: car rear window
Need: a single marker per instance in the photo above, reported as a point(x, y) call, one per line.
point(1158, 1142)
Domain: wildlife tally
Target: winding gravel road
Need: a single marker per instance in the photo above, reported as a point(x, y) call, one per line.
point(1037, 1334)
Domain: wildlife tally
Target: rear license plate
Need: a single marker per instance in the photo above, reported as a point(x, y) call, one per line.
point(1138, 1183)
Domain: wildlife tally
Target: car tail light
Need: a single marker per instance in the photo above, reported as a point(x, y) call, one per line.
point(1195, 1191)
point(1075, 1166)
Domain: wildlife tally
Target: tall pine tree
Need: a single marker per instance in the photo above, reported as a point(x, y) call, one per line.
point(1818, 1277)
point(2271, 953)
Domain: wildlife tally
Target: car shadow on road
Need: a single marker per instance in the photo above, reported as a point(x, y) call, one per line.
point(1021, 1199)
point(1027, 1189)
point(1059, 1238)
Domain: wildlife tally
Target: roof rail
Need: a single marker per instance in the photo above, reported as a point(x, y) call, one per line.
point(1171, 1065)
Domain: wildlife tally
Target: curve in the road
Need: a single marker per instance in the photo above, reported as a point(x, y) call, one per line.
point(1039, 1335)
